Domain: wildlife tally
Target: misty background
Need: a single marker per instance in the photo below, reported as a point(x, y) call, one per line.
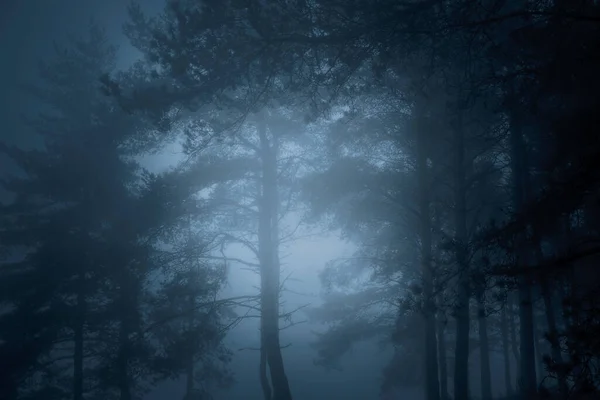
point(28, 31)
point(290, 199)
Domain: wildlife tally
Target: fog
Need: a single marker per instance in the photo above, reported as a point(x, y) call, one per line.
point(37, 25)
point(299, 200)
point(303, 261)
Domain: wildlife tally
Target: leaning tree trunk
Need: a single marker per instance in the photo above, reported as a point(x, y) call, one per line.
point(432, 385)
point(270, 272)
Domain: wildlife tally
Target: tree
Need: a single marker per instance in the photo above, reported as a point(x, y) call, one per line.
point(217, 55)
point(88, 223)
point(53, 216)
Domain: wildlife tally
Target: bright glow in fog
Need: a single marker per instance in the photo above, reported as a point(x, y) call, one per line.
point(301, 260)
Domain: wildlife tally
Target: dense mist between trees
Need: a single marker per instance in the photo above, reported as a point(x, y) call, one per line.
point(300, 199)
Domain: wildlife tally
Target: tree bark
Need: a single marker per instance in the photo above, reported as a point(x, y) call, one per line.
point(262, 368)
point(270, 268)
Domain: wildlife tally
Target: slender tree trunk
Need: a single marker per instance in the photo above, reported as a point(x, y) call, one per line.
point(78, 339)
point(553, 338)
point(554, 312)
point(506, 352)
point(432, 383)
point(263, 366)
point(514, 342)
point(520, 178)
point(262, 369)
point(461, 359)
point(484, 351)
point(527, 370)
point(442, 322)
point(270, 268)
point(539, 358)
point(442, 359)
point(561, 243)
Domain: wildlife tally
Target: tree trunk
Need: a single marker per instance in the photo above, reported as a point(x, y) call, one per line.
point(557, 317)
point(432, 385)
point(520, 179)
point(561, 243)
point(270, 268)
point(527, 370)
point(442, 361)
point(539, 358)
point(514, 343)
point(553, 338)
point(554, 313)
point(262, 368)
point(506, 352)
point(484, 351)
point(461, 359)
